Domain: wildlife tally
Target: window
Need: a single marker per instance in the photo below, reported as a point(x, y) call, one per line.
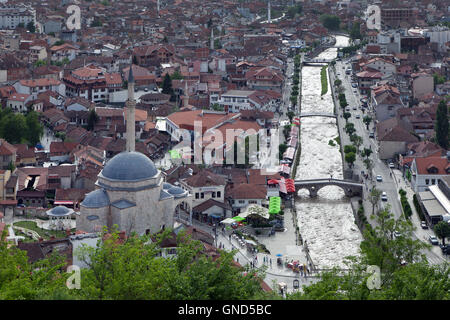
point(433, 181)
point(252, 201)
point(202, 195)
point(213, 194)
point(241, 201)
point(427, 181)
point(196, 195)
point(218, 194)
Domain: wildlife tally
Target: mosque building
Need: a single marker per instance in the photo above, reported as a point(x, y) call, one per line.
point(130, 190)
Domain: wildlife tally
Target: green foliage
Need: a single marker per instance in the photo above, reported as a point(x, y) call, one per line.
point(59, 42)
point(350, 128)
point(367, 120)
point(132, 270)
point(323, 80)
point(292, 11)
point(346, 116)
point(40, 63)
point(441, 125)
point(415, 280)
point(281, 149)
point(418, 208)
point(17, 128)
point(92, 120)
point(355, 31)
point(350, 158)
point(290, 115)
point(31, 27)
point(349, 148)
point(167, 85)
point(407, 211)
point(442, 230)
point(176, 76)
point(366, 152)
point(331, 22)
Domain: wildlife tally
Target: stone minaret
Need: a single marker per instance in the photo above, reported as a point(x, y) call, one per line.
point(131, 118)
point(268, 13)
point(157, 6)
point(211, 41)
point(186, 95)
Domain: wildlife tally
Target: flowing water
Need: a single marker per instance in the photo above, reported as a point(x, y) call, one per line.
point(325, 222)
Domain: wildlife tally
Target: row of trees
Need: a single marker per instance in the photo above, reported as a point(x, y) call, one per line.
point(131, 270)
point(295, 81)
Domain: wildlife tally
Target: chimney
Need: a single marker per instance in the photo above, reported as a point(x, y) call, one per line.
point(40, 240)
point(122, 235)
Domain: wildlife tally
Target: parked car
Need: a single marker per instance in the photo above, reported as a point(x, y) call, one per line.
point(371, 135)
point(433, 240)
point(21, 205)
point(384, 196)
point(424, 225)
point(354, 85)
point(358, 116)
point(379, 178)
point(391, 165)
point(445, 249)
point(354, 108)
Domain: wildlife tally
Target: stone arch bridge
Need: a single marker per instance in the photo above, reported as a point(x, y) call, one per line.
point(350, 187)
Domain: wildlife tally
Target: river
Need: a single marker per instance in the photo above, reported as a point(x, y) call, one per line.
point(325, 222)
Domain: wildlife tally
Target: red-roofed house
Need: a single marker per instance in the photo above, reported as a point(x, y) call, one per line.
point(60, 151)
point(427, 171)
point(92, 83)
point(17, 102)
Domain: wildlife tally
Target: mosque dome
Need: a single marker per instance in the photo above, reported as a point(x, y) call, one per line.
point(167, 186)
point(129, 166)
point(96, 199)
point(177, 192)
point(59, 211)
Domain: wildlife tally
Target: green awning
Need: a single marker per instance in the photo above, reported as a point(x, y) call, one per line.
point(237, 218)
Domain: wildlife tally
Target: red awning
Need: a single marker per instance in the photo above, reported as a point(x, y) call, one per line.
point(272, 181)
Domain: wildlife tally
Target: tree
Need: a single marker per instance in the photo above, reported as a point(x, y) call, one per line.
point(132, 270)
point(349, 148)
point(374, 198)
point(367, 120)
point(346, 116)
point(167, 87)
point(92, 120)
point(441, 125)
point(350, 128)
point(281, 149)
point(369, 165)
point(337, 82)
point(293, 100)
point(331, 22)
point(290, 115)
point(355, 32)
point(357, 141)
point(34, 130)
point(13, 128)
point(442, 230)
point(366, 153)
point(176, 76)
point(31, 27)
point(415, 280)
point(350, 158)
